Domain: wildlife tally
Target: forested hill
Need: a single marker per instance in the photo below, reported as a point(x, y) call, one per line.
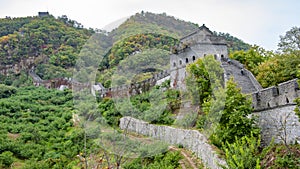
point(146, 22)
point(55, 43)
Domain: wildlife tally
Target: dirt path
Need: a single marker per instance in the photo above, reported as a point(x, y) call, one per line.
point(187, 159)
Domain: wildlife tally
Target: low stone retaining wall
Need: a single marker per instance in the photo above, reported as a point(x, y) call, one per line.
point(190, 139)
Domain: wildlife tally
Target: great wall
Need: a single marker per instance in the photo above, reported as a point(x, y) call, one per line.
point(274, 106)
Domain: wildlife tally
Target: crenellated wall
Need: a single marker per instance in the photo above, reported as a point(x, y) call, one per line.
point(275, 107)
point(190, 139)
point(276, 96)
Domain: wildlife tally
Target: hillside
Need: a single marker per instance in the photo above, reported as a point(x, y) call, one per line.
point(48, 128)
point(148, 30)
point(147, 22)
point(53, 45)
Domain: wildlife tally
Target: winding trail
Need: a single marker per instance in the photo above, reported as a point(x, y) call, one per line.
point(191, 163)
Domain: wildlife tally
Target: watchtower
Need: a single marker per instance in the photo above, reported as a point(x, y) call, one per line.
point(43, 14)
point(198, 44)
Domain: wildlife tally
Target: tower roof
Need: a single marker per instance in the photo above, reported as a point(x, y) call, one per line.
point(203, 35)
point(203, 28)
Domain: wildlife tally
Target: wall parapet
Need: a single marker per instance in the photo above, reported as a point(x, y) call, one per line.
point(190, 139)
point(276, 96)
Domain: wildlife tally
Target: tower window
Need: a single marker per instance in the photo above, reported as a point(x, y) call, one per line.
point(180, 62)
point(194, 58)
point(186, 60)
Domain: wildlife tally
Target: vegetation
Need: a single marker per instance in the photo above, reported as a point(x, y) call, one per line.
point(136, 43)
point(136, 68)
point(277, 157)
point(234, 43)
point(252, 58)
point(6, 91)
point(272, 68)
point(169, 160)
point(46, 39)
point(243, 153)
point(40, 132)
point(205, 75)
point(278, 69)
point(234, 121)
point(155, 106)
point(36, 127)
point(146, 22)
point(290, 41)
point(9, 25)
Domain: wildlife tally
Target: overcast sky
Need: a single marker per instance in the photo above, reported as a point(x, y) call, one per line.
point(254, 21)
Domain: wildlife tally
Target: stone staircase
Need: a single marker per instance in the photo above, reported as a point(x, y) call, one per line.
point(243, 80)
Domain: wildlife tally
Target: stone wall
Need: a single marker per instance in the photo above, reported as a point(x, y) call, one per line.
point(180, 60)
point(134, 88)
point(276, 96)
point(190, 139)
point(281, 123)
point(275, 107)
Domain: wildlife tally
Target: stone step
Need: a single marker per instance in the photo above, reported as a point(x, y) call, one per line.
point(243, 81)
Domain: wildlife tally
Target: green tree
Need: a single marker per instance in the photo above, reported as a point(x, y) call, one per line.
point(290, 41)
point(6, 91)
point(278, 69)
point(252, 58)
point(234, 121)
point(204, 75)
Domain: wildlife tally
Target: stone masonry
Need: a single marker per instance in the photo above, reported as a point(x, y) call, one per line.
point(196, 45)
point(190, 139)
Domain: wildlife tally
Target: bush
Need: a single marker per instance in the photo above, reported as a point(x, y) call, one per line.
point(6, 158)
point(6, 91)
point(187, 121)
point(242, 153)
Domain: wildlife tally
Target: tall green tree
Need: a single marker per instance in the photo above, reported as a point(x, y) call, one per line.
point(204, 75)
point(290, 41)
point(252, 58)
point(278, 69)
point(234, 121)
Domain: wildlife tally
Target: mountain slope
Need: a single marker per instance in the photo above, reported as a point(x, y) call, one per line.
point(146, 22)
point(54, 44)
